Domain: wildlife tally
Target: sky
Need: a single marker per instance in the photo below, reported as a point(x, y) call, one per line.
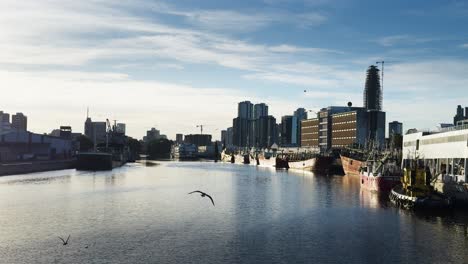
point(176, 64)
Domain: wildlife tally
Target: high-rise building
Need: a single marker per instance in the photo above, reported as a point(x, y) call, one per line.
point(395, 128)
point(372, 90)
point(96, 131)
point(466, 112)
point(288, 131)
point(300, 114)
point(241, 132)
point(260, 110)
point(5, 125)
point(152, 134)
point(19, 122)
point(266, 131)
point(179, 138)
point(120, 128)
point(245, 110)
point(4, 117)
point(223, 137)
point(229, 135)
point(459, 116)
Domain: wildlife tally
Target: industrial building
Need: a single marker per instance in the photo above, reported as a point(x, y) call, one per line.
point(445, 152)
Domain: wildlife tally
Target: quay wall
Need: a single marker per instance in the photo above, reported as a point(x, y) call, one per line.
point(35, 166)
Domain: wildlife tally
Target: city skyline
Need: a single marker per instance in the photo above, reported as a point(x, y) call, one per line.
point(172, 66)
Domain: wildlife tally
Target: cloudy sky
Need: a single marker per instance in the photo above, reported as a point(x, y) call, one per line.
point(176, 64)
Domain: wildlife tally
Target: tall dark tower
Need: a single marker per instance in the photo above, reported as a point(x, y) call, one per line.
point(372, 91)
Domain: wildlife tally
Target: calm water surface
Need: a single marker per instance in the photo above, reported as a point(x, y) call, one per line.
point(143, 214)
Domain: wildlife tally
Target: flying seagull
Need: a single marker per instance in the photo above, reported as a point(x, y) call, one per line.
point(65, 242)
point(203, 195)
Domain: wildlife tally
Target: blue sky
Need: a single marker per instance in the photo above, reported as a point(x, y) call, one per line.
point(176, 64)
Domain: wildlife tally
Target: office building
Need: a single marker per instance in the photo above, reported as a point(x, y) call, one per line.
point(19, 122)
point(96, 131)
point(179, 138)
point(459, 116)
point(198, 139)
point(229, 136)
point(288, 131)
point(266, 132)
point(310, 133)
point(395, 128)
point(245, 110)
point(152, 134)
point(372, 90)
point(300, 114)
point(5, 125)
point(260, 110)
point(120, 128)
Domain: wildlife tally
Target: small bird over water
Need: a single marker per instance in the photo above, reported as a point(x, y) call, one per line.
point(65, 242)
point(203, 195)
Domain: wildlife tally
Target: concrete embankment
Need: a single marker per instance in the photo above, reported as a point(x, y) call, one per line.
point(35, 166)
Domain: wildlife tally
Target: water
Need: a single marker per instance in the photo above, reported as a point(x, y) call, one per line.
point(140, 214)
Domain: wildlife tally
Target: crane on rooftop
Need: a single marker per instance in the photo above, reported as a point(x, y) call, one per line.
point(201, 129)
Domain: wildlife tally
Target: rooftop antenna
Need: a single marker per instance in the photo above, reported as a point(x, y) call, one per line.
point(87, 112)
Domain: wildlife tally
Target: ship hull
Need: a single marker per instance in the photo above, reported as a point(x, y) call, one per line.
point(95, 161)
point(379, 183)
point(351, 166)
point(308, 164)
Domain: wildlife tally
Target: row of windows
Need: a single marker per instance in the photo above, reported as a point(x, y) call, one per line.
point(342, 130)
point(344, 122)
point(457, 138)
point(339, 138)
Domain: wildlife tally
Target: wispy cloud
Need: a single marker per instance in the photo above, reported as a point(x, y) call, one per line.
point(464, 46)
point(394, 40)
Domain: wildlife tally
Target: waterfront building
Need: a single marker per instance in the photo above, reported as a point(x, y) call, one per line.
point(179, 138)
point(198, 139)
point(300, 114)
point(351, 127)
point(310, 133)
point(372, 90)
point(19, 122)
point(336, 127)
point(445, 152)
point(23, 145)
point(395, 128)
point(65, 132)
point(459, 115)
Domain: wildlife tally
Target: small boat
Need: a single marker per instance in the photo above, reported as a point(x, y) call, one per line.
point(380, 175)
point(416, 193)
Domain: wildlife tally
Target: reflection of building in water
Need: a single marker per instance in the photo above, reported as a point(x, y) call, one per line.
point(369, 199)
point(445, 152)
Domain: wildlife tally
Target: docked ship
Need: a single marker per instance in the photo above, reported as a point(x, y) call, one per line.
point(352, 160)
point(105, 156)
point(416, 192)
point(380, 175)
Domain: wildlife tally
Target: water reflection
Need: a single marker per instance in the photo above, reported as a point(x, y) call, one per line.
point(143, 214)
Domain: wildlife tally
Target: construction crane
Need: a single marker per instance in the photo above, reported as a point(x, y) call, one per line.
point(383, 63)
point(201, 129)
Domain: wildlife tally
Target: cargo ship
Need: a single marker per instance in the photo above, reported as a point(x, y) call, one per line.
point(380, 175)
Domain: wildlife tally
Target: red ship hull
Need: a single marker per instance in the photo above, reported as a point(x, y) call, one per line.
point(379, 183)
point(351, 166)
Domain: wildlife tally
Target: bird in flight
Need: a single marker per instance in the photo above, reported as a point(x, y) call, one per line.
point(203, 195)
point(65, 242)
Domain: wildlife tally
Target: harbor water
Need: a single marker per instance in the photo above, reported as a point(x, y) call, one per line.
point(143, 214)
